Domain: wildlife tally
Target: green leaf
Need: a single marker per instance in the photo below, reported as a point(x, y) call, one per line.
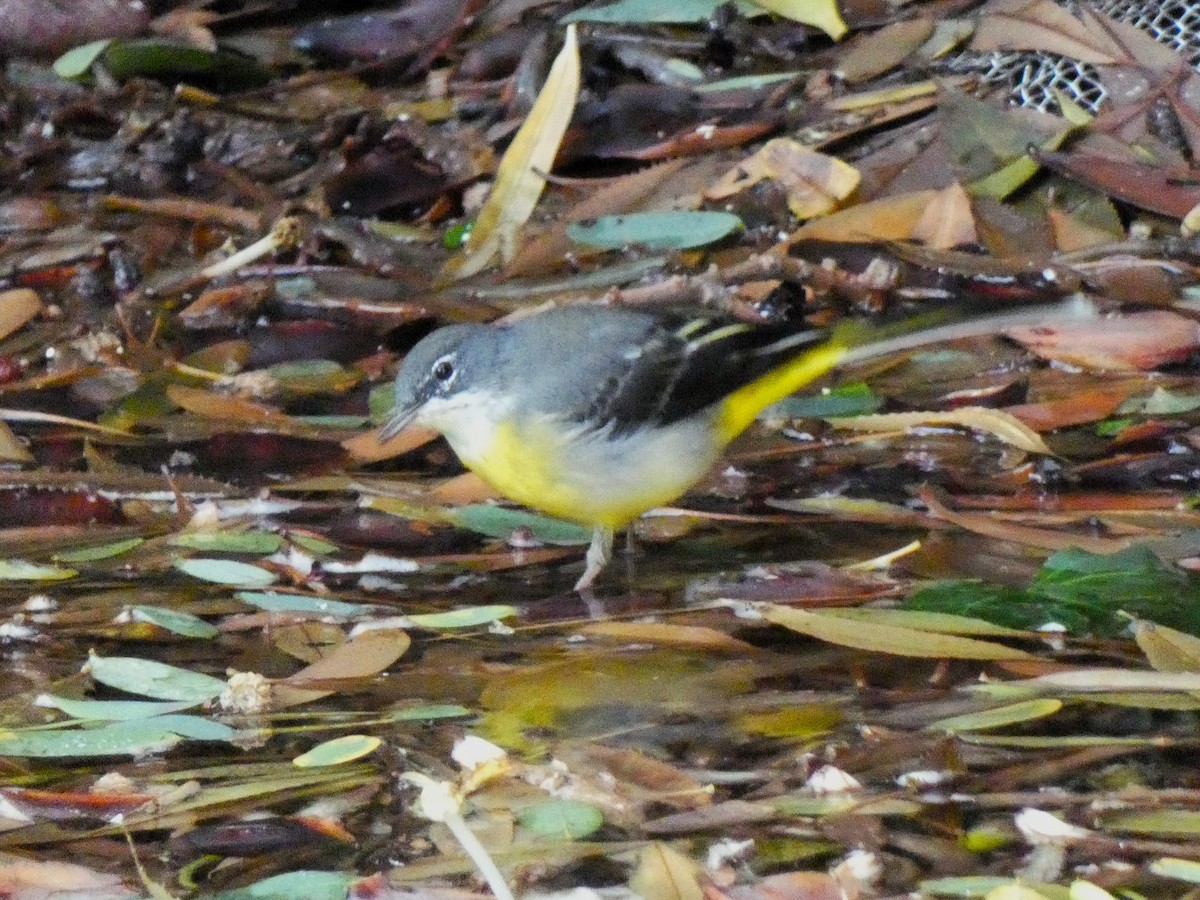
point(321, 606)
point(124, 738)
point(568, 820)
point(999, 716)
point(853, 399)
point(501, 522)
point(467, 617)
point(226, 571)
point(77, 61)
point(20, 570)
point(136, 737)
point(428, 712)
point(313, 545)
point(1160, 402)
point(153, 679)
point(311, 885)
point(174, 621)
point(110, 710)
point(1164, 822)
point(963, 886)
point(1181, 869)
point(1084, 592)
point(337, 751)
point(103, 551)
point(625, 12)
point(667, 230)
point(257, 542)
point(169, 61)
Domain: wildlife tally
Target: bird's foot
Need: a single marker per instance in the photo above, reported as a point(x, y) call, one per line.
point(599, 554)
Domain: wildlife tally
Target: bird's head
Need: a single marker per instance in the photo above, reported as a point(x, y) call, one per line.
point(445, 373)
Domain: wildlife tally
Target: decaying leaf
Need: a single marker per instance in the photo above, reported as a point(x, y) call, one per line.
point(816, 184)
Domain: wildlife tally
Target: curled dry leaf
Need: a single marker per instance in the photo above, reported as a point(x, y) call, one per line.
point(815, 183)
point(948, 221)
point(996, 422)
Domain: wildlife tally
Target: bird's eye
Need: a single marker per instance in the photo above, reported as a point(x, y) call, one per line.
point(443, 371)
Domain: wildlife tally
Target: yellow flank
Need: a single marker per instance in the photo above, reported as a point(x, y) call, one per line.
point(593, 478)
point(742, 407)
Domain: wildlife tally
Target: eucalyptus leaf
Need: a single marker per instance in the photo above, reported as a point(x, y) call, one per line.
point(99, 552)
point(20, 570)
point(173, 620)
point(226, 571)
point(110, 710)
point(501, 522)
point(467, 617)
point(258, 542)
point(311, 885)
point(78, 61)
point(339, 750)
point(666, 230)
point(153, 679)
point(301, 603)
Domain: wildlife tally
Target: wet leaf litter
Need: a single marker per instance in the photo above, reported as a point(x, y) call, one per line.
point(928, 626)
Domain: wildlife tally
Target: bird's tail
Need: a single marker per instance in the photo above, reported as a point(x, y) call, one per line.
point(856, 343)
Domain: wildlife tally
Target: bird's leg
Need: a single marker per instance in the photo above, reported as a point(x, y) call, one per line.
point(598, 554)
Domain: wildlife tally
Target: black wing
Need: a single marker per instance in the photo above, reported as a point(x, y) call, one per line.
point(685, 366)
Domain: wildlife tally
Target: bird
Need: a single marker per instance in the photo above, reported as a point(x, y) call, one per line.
point(596, 414)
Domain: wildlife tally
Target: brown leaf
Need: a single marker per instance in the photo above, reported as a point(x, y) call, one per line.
point(948, 221)
point(361, 658)
point(663, 873)
point(1042, 25)
point(880, 51)
point(1043, 538)
point(17, 307)
point(668, 634)
point(815, 183)
point(1139, 341)
point(888, 219)
point(625, 194)
point(1171, 192)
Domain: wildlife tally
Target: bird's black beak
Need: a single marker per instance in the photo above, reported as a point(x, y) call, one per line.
point(400, 418)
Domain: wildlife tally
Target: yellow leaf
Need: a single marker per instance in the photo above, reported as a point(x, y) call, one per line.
point(886, 219)
point(822, 14)
point(815, 183)
point(886, 638)
point(522, 172)
point(948, 221)
point(1166, 649)
point(996, 422)
point(664, 873)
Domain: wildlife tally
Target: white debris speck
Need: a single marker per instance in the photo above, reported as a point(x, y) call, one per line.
point(1040, 827)
point(832, 780)
point(471, 752)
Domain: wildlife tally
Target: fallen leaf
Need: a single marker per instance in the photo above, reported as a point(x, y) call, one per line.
point(996, 422)
point(815, 183)
point(948, 221)
point(892, 639)
point(521, 176)
point(1138, 341)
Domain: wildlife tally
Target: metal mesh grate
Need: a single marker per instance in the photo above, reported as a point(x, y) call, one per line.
point(1033, 78)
